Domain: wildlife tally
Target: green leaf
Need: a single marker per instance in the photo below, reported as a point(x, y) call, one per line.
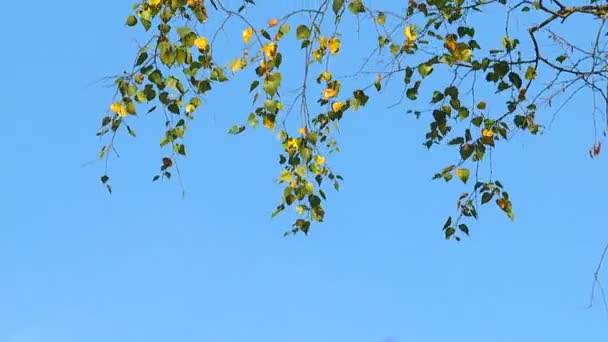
point(337, 6)
point(515, 79)
point(279, 208)
point(234, 130)
point(463, 228)
point(272, 83)
point(486, 197)
point(356, 7)
point(448, 222)
point(466, 151)
point(303, 32)
point(449, 233)
point(131, 20)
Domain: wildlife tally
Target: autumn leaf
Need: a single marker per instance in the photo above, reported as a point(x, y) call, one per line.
point(530, 73)
point(119, 109)
point(247, 34)
point(237, 64)
point(201, 43)
point(337, 106)
point(334, 45)
point(320, 160)
point(269, 122)
point(270, 50)
point(329, 93)
point(409, 33)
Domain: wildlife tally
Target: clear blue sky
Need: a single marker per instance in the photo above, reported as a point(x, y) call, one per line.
point(146, 265)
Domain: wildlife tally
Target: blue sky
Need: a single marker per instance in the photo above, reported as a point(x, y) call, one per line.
point(146, 264)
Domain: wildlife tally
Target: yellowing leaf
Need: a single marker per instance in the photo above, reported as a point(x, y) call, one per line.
point(285, 176)
point(450, 45)
point(190, 108)
point(322, 42)
point(334, 45)
point(154, 3)
point(337, 106)
point(318, 54)
point(325, 76)
point(530, 73)
point(115, 107)
point(237, 64)
point(247, 34)
point(463, 174)
point(329, 93)
point(201, 43)
point(273, 22)
point(291, 145)
point(300, 210)
point(269, 122)
point(381, 19)
point(487, 137)
point(303, 130)
point(119, 109)
point(270, 50)
point(320, 160)
point(409, 33)
point(462, 52)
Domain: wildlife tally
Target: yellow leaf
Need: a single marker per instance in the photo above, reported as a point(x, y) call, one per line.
point(115, 107)
point(530, 73)
point(317, 54)
point(292, 144)
point(269, 122)
point(322, 42)
point(119, 109)
point(488, 133)
point(201, 43)
point(270, 50)
point(285, 176)
point(329, 93)
point(337, 106)
point(326, 76)
point(409, 33)
point(154, 3)
point(273, 22)
point(320, 160)
point(462, 52)
point(247, 34)
point(334, 45)
point(381, 19)
point(450, 45)
point(237, 64)
point(139, 78)
point(190, 108)
point(303, 130)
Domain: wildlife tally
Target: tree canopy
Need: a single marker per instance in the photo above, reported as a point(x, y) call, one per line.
point(478, 87)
